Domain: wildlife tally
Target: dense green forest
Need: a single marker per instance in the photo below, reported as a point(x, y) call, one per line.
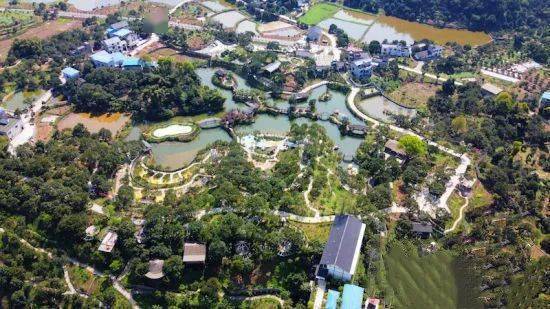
point(497, 129)
point(169, 90)
point(475, 15)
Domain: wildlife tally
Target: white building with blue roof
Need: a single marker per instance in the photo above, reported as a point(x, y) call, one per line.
point(127, 35)
point(70, 73)
point(105, 59)
point(114, 44)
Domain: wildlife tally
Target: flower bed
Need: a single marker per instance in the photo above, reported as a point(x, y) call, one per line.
point(164, 132)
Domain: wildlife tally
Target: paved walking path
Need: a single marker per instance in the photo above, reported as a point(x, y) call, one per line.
point(418, 70)
point(316, 85)
point(460, 216)
point(29, 128)
point(306, 198)
point(116, 283)
point(422, 199)
point(319, 294)
point(251, 298)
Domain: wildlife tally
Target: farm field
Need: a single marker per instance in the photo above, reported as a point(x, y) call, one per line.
point(436, 280)
point(43, 31)
point(318, 13)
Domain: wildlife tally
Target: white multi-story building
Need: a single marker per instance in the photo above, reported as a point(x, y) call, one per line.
point(395, 50)
point(114, 44)
point(361, 68)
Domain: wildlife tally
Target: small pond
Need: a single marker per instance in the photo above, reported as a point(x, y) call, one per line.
point(174, 155)
point(379, 107)
point(18, 100)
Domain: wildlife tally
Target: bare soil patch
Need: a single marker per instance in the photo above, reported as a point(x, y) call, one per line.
point(113, 122)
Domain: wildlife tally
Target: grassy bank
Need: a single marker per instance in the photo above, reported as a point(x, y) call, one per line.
point(437, 280)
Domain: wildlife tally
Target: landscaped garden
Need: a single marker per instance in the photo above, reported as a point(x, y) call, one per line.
point(171, 131)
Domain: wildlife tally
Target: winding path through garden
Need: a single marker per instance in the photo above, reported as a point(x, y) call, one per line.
point(72, 290)
point(453, 181)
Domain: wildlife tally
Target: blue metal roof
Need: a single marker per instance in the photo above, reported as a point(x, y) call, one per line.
point(122, 33)
point(118, 57)
point(131, 61)
point(68, 71)
point(352, 297)
point(102, 56)
point(332, 299)
point(546, 95)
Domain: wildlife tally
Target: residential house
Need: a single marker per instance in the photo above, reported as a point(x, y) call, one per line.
point(108, 242)
point(361, 68)
point(425, 52)
point(393, 148)
point(83, 49)
point(545, 100)
point(194, 253)
point(339, 66)
point(91, 231)
point(70, 73)
point(355, 53)
point(303, 53)
point(155, 270)
point(372, 303)
point(106, 59)
point(114, 44)
point(341, 253)
point(465, 186)
point(10, 126)
point(314, 34)
point(272, 67)
point(352, 297)
point(422, 229)
point(127, 35)
point(116, 26)
point(395, 50)
point(489, 89)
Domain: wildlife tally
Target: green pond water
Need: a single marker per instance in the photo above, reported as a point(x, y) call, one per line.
point(17, 101)
point(174, 155)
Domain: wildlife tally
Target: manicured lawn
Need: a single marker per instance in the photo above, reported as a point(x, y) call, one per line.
point(318, 13)
point(436, 280)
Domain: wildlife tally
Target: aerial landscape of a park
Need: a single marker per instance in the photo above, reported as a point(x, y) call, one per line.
point(274, 154)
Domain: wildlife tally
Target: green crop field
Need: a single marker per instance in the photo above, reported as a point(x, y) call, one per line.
point(318, 13)
point(436, 280)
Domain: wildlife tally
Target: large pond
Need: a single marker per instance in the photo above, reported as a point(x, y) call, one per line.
point(174, 155)
point(392, 28)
